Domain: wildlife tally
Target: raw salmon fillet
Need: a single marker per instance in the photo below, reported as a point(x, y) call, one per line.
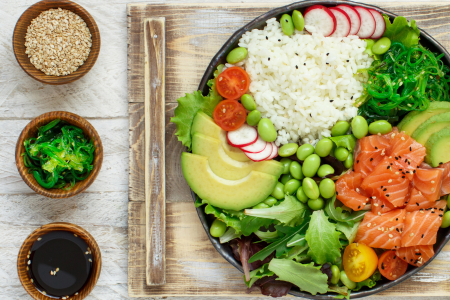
point(417, 201)
point(381, 206)
point(421, 226)
point(381, 231)
point(445, 187)
point(416, 255)
point(429, 182)
point(370, 152)
point(387, 182)
point(348, 191)
point(407, 149)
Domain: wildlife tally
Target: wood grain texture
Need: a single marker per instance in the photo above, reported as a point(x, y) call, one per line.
point(31, 130)
point(19, 41)
point(22, 259)
point(155, 181)
point(194, 268)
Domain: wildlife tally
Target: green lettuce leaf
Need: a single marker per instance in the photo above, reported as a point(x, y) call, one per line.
point(230, 221)
point(342, 214)
point(267, 236)
point(297, 240)
point(402, 31)
point(251, 224)
point(369, 282)
point(348, 230)
point(279, 245)
point(229, 235)
point(297, 253)
point(347, 141)
point(290, 211)
point(307, 277)
point(342, 290)
point(323, 239)
point(259, 273)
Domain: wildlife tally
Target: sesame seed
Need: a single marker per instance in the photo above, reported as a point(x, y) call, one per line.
point(382, 206)
point(379, 134)
point(410, 148)
point(359, 206)
point(403, 138)
point(357, 161)
point(296, 67)
point(304, 64)
point(348, 60)
point(379, 213)
point(387, 195)
point(411, 234)
point(374, 197)
point(390, 180)
point(90, 260)
point(75, 235)
point(385, 189)
point(39, 239)
point(375, 204)
point(279, 40)
point(328, 54)
point(29, 262)
point(368, 224)
point(268, 59)
point(267, 37)
point(422, 211)
point(441, 215)
point(31, 280)
point(423, 235)
point(432, 189)
point(371, 158)
point(391, 236)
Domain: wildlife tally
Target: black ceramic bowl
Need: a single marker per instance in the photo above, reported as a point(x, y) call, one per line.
point(220, 58)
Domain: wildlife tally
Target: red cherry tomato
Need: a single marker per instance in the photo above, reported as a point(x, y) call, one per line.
point(229, 115)
point(391, 266)
point(232, 83)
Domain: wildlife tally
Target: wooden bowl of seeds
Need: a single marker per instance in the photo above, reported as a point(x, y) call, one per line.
point(56, 41)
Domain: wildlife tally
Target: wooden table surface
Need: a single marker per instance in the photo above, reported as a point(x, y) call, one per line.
point(101, 97)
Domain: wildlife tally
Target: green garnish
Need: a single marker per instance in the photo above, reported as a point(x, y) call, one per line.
point(402, 31)
point(59, 156)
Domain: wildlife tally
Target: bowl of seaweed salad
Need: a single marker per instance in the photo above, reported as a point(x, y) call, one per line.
point(59, 154)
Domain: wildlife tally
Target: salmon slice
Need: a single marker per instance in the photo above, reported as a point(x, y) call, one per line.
point(429, 182)
point(387, 182)
point(417, 201)
point(348, 191)
point(416, 255)
point(366, 162)
point(445, 187)
point(381, 206)
point(402, 145)
point(421, 226)
point(381, 231)
point(373, 143)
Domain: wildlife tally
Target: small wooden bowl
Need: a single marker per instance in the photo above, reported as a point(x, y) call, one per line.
point(28, 243)
point(31, 130)
point(21, 29)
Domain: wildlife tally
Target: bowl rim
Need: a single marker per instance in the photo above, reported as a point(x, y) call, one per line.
point(24, 61)
point(22, 258)
point(69, 118)
point(204, 88)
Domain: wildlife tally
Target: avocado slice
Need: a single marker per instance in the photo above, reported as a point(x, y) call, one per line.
point(430, 126)
point(413, 120)
point(223, 193)
point(438, 148)
point(205, 124)
point(226, 167)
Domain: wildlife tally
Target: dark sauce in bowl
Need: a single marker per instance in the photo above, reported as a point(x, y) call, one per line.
point(59, 264)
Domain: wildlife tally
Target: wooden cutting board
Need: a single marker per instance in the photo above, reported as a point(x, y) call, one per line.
point(193, 34)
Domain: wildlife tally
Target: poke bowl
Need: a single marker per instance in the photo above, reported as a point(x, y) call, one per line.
point(231, 252)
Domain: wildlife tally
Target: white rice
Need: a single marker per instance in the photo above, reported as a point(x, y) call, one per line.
point(308, 84)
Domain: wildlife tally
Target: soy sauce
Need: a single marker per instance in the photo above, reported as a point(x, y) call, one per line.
point(59, 264)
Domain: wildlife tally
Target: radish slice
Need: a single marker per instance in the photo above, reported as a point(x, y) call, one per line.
point(260, 156)
point(321, 18)
point(274, 151)
point(256, 147)
point(368, 24)
point(355, 19)
point(243, 136)
point(380, 24)
point(343, 24)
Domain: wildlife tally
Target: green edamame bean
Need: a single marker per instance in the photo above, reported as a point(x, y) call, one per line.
point(359, 127)
point(369, 44)
point(346, 281)
point(304, 151)
point(253, 117)
point(448, 201)
point(236, 55)
point(340, 128)
point(217, 228)
point(270, 201)
point(301, 196)
point(327, 188)
point(278, 191)
point(297, 19)
point(296, 170)
point(260, 205)
point(285, 178)
point(316, 204)
point(348, 162)
point(248, 102)
point(266, 130)
point(381, 46)
point(381, 126)
point(288, 149)
point(323, 147)
point(287, 25)
point(310, 188)
point(286, 163)
point(341, 153)
point(446, 220)
point(325, 170)
point(291, 186)
point(311, 165)
point(336, 274)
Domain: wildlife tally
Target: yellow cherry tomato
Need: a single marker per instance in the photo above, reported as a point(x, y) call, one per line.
point(360, 261)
